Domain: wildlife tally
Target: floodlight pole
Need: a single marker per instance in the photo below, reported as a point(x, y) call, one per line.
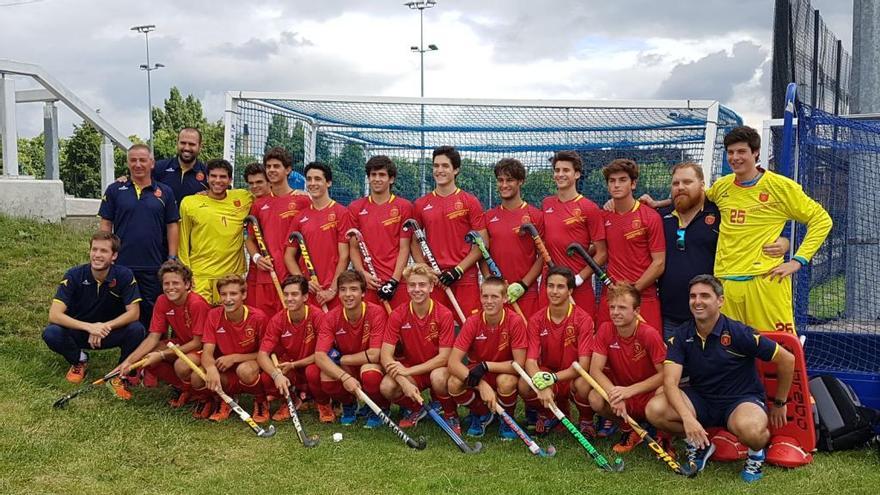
point(145, 29)
point(421, 6)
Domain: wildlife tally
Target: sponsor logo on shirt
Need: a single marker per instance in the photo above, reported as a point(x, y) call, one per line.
point(482, 336)
point(286, 334)
point(543, 333)
point(405, 326)
point(123, 188)
point(364, 212)
point(86, 282)
point(303, 219)
point(689, 340)
point(264, 207)
point(608, 223)
point(221, 330)
point(615, 345)
point(494, 219)
point(549, 210)
point(427, 207)
point(169, 313)
point(171, 169)
point(341, 331)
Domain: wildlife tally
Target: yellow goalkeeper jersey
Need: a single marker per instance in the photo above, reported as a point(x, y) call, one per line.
point(211, 235)
point(755, 215)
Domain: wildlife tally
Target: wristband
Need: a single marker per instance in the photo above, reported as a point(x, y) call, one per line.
point(803, 261)
point(275, 373)
point(172, 257)
point(257, 257)
point(367, 356)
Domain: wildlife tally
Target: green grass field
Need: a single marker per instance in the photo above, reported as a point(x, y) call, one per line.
point(102, 445)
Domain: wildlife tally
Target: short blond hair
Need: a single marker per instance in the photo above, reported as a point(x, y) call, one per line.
point(232, 278)
point(420, 269)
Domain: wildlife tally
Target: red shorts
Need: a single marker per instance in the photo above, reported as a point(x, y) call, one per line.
point(264, 297)
point(583, 297)
point(635, 405)
point(423, 381)
point(650, 311)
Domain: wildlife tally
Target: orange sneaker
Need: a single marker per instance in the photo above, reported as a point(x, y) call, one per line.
point(222, 412)
point(204, 409)
point(282, 414)
point(326, 413)
point(77, 372)
point(118, 387)
point(179, 401)
point(628, 441)
point(261, 410)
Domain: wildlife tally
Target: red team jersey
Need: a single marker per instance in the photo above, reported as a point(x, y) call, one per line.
point(513, 253)
point(234, 338)
point(292, 341)
point(632, 237)
point(494, 344)
point(323, 231)
point(631, 359)
point(576, 220)
point(446, 220)
point(185, 320)
point(275, 214)
point(422, 338)
point(349, 337)
point(557, 345)
point(382, 228)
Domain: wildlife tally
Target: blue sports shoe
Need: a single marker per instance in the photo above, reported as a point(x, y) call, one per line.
point(349, 414)
point(479, 423)
point(752, 470)
point(504, 431)
point(364, 411)
point(374, 421)
point(607, 427)
point(700, 457)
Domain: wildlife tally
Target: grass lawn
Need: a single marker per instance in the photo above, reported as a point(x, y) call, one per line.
point(102, 445)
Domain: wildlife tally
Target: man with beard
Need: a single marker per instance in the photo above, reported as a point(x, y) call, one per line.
point(184, 173)
point(210, 231)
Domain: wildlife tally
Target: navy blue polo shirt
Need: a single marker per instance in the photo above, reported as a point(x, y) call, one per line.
point(140, 219)
point(192, 181)
point(686, 258)
point(92, 302)
point(723, 366)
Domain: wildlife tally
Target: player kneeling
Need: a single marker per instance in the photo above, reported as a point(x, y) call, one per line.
point(718, 354)
point(422, 331)
point(349, 339)
point(627, 362)
point(231, 337)
point(558, 334)
point(184, 312)
point(290, 335)
point(491, 339)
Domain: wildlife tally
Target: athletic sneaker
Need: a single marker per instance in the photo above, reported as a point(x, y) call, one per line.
point(504, 431)
point(261, 410)
point(628, 441)
point(283, 413)
point(587, 428)
point(544, 424)
point(349, 414)
point(666, 441)
point(374, 421)
point(412, 418)
point(531, 419)
point(700, 457)
point(364, 411)
point(479, 423)
point(77, 372)
point(752, 470)
point(454, 423)
point(326, 413)
point(607, 427)
point(222, 412)
point(179, 401)
point(203, 409)
point(117, 385)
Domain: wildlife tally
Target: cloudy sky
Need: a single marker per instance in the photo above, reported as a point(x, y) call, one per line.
point(569, 49)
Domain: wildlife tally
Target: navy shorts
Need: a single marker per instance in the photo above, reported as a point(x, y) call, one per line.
point(716, 412)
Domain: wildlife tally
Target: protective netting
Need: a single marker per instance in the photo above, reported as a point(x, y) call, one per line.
point(837, 302)
point(346, 133)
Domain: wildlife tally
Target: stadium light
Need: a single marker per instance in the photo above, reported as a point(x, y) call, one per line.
point(145, 29)
point(421, 6)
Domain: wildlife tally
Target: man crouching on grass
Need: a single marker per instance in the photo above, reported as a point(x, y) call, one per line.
point(718, 354)
point(231, 338)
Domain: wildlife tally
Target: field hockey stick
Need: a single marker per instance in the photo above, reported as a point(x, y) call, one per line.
point(456, 438)
point(641, 432)
point(307, 441)
point(258, 234)
point(530, 229)
point(475, 239)
point(577, 248)
point(367, 259)
point(533, 446)
point(412, 224)
point(597, 457)
point(419, 444)
point(100, 381)
point(262, 433)
point(304, 252)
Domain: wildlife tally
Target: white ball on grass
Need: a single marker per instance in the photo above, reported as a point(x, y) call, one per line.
point(337, 437)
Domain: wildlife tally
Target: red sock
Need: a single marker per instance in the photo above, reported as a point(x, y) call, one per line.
point(465, 398)
point(406, 403)
point(447, 403)
point(584, 410)
point(232, 384)
point(508, 402)
point(370, 380)
point(255, 389)
point(535, 404)
point(313, 377)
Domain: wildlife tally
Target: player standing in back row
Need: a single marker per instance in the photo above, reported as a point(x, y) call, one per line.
point(447, 213)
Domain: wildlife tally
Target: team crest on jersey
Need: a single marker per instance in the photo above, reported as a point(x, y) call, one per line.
point(576, 212)
point(764, 197)
point(725, 338)
point(638, 351)
point(525, 219)
point(432, 332)
point(200, 176)
point(710, 219)
point(569, 335)
point(458, 205)
point(237, 203)
point(157, 193)
point(331, 217)
point(112, 283)
point(394, 212)
point(636, 223)
point(503, 340)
